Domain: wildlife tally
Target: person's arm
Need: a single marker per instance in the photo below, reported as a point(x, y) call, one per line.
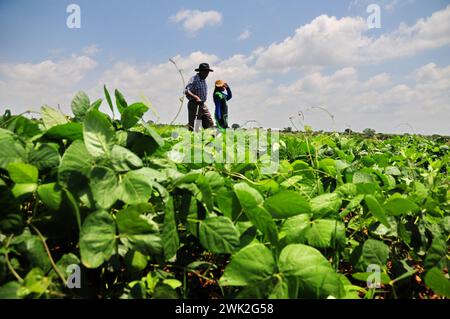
point(188, 91)
point(229, 94)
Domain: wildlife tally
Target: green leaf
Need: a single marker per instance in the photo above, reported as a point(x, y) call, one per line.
point(362, 178)
point(138, 231)
point(280, 291)
point(250, 265)
point(263, 221)
point(97, 239)
point(219, 235)
point(372, 252)
point(104, 184)
point(23, 173)
point(312, 269)
point(319, 233)
point(124, 160)
point(325, 204)
point(136, 260)
point(80, 104)
point(98, 134)
point(96, 104)
point(170, 238)
point(439, 283)
point(51, 195)
point(45, 156)
point(32, 248)
point(248, 197)
point(120, 101)
point(132, 114)
point(22, 189)
point(436, 253)
point(52, 117)
point(71, 131)
point(108, 99)
point(400, 206)
point(11, 151)
point(76, 161)
point(9, 290)
point(376, 209)
point(35, 283)
point(135, 187)
point(287, 204)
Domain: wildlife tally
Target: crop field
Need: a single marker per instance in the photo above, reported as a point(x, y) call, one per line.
point(100, 206)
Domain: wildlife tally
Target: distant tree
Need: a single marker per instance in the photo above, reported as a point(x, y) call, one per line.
point(348, 131)
point(235, 126)
point(287, 129)
point(368, 132)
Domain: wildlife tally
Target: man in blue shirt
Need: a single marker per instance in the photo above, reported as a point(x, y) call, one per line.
point(197, 91)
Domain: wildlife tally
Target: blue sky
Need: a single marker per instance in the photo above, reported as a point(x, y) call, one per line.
point(131, 42)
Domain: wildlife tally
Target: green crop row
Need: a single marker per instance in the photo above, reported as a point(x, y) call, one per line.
point(93, 206)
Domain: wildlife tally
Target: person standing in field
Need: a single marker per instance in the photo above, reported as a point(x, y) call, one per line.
point(222, 94)
point(197, 91)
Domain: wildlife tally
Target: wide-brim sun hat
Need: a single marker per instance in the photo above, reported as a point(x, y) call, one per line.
point(220, 83)
point(204, 67)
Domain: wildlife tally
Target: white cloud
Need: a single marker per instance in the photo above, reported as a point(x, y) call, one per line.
point(244, 35)
point(90, 50)
point(337, 42)
point(28, 85)
point(195, 20)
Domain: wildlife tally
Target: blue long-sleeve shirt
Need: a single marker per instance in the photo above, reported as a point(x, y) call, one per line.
point(221, 98)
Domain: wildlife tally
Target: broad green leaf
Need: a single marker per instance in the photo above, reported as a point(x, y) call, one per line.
point(120, 101)
point(132, 114)
point(436, 280)
point(11, 151)
point(138, 231)
point(45, 156)
point(215, 180)
point(124, 160)
point(170, 238)
point(33, 250)
point(52, 117)
point(325, 204)
point(103, 182)
point(312, 269)
point(136, 260)
point(205, 196)
point(248, 197)
point(23, 173)
point(22, 189)
point(98, 134)
point(263, 221)
point(250, 265)
point(75, 162)
point(319, 233)
point(360, 177)
point(377, 210)
point(280, 291)
point(35, 284)
point(287, 204)
point(219, 235)
point(71, 131)
point(51, 195)
point(372, 252)
point(9, 290)
point(363, 276)
point(400, 206)
point(135, 187)
point(97, 239)
point(80, 104)
point(436, 253)
point(108, 99)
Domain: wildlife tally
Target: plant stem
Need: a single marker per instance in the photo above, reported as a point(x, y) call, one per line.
point(10, 266)
point(52, 262)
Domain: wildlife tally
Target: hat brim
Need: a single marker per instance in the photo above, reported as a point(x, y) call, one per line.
point(197, 70)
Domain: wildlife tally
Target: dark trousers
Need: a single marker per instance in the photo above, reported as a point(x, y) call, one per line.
point(222, 122)
point(203, 115)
